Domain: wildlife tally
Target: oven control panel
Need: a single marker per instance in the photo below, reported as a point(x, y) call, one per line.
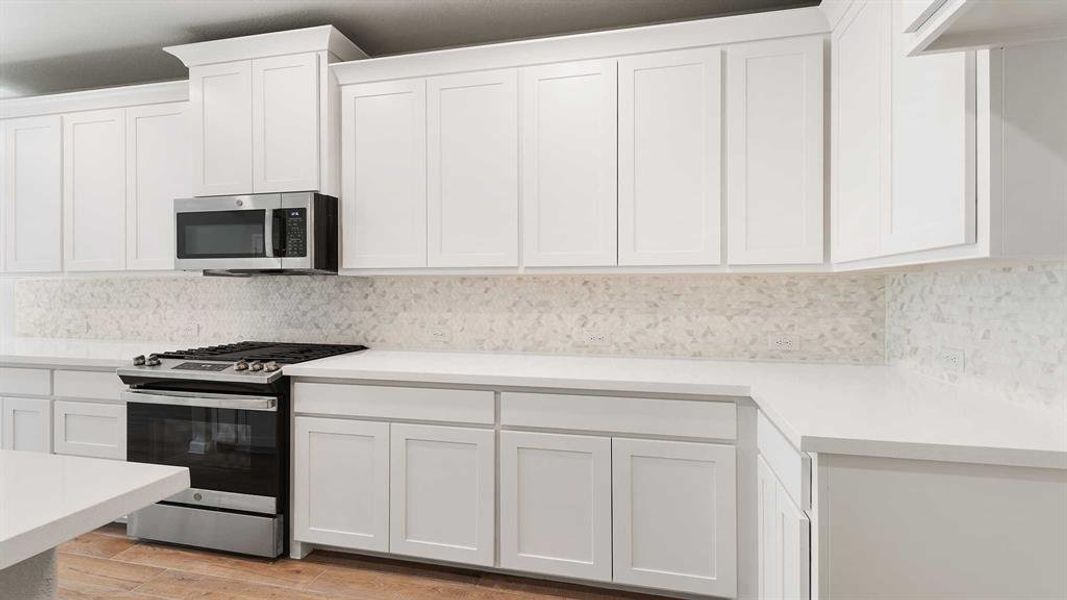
point(202, 366)
point(296, 232)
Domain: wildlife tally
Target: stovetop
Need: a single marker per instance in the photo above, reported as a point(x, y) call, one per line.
point(279, 352)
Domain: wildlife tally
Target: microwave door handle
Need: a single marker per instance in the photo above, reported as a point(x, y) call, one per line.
point(276, 233)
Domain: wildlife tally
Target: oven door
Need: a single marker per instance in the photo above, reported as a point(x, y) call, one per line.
point(229, 442)
point(229, 232)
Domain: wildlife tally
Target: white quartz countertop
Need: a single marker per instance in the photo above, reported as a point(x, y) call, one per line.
point(47, 499)
point(838, 409)
point(102, 354)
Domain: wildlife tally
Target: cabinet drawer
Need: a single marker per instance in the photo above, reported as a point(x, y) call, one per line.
point(387, 402)
point(25, 381)
point(99, 385)
point(689, 418)
point(792, 467)
point(89, 429)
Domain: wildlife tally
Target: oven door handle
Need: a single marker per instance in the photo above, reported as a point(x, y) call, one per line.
point(204, 400)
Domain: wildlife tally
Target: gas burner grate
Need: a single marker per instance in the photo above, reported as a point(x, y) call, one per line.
point(280, 352)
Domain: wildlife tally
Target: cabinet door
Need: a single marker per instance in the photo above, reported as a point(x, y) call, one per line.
point(383, 172)
point(569, 164)
point(555, 504)
point(94, 190)
point(27, 424)
point(220, 97)
point(32, 194)
point(774, 155)
point(784, 541)
point(675, 516)
point(158, 170)
point(285, 123)
point(89, 429)
point(933, 196)
point(442, 488)
point(341, 483)
point(473, 169)
point(669, 158)
point(860, 129)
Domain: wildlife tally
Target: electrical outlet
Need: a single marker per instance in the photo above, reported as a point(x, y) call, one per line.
point(440, 334)
point(952, 360)
point(593, 338)
point(782, 342)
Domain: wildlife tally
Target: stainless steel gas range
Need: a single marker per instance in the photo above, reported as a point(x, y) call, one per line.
point(224, 412)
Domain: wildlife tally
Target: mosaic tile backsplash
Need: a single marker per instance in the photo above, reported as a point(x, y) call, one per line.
point(1010, 321)
point(833, 317)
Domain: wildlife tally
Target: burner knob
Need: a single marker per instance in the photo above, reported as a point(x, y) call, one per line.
point(270, 367)
point(256, 366)
point(240, 366)
point(138, 360)
point(152, 361)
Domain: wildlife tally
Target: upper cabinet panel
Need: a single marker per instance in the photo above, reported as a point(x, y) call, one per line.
point(383, 154)
point(669, 158)
point(285, 123)
point(221, 100)
point(32, 194)
point(569, 164)
point(157, 171)
point(860, 88)
point(774, 157)
point(94, 190)
point(473, 170)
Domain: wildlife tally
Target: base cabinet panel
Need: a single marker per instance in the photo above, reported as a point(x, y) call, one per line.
point(555, 504)
point(27, 424)
point(674, 511)
point(784, 538)
point(341, 483)
point(90, 429)
point(442, 490)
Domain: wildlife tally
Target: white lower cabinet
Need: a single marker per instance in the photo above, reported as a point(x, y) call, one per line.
point(555, 504)
point(341, 483)
point(784, 540)
point(27, 424)
point(442, 490)
point(675, 516)
point(89, 429)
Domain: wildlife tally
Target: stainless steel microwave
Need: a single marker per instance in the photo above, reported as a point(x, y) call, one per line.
point(257, 234)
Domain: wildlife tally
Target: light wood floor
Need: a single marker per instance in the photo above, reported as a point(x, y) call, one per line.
point(105, 564)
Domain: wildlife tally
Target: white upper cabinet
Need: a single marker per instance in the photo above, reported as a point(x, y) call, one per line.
point(932, 200)
point(94, 190)
point(669, 158)
point(220, 97)
point(473, 179)
point(569, 164)
point(32, 204)
point(954, 25)
point(158, 170)
point(675, 516)
point(383, 189)
point(860, 89)
point(774, 152)
point(285, 123)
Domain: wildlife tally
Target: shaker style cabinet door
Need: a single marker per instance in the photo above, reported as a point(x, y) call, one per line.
point(220, 98)
point(158, 170)
point(27, 424)
point(473, 170)
point(341, 483)
point(784, 552)
point(555, 504)
point(675, 516)
point(774, 152)
point(669, 158)
point(860, 96)
point(442, 490)
point(285, 123)
point(94, 190)
point(569, 164)
point(90, 429)
point(383, 174)
point(32, 205)
point(933, 194)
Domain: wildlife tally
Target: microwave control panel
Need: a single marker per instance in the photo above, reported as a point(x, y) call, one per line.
point(296, 232)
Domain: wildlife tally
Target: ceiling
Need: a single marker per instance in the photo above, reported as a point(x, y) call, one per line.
point(51, 46)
